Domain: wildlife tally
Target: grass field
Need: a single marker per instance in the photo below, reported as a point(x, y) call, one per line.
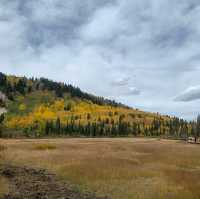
point(122, 168)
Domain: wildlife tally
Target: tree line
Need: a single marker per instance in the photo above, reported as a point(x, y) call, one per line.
point(175, 127)
point(24, 85)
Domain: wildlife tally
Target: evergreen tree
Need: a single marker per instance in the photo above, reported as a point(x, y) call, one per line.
point(1, 126)
point(58, 126)
point(47, 128)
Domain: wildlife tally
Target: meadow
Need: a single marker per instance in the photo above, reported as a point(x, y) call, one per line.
point(121, 168)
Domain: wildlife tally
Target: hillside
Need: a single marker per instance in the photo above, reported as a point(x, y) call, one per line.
point(41, 107)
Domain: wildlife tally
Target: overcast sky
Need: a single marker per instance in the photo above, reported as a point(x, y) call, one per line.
point(145, 53)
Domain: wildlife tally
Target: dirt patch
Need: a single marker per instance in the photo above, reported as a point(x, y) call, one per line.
point(29, 183)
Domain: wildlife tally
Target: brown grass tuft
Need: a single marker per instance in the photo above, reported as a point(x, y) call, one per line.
point(45, 146)
point(3, 186)
point(2, 147)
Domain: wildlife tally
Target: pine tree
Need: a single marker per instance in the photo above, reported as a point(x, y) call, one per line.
point(1, 126)
point(58, 126)
point(47, 128)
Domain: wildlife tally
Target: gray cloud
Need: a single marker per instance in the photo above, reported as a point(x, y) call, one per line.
point(123, 81)
point(122, 87)
point(98, 44)
point(190, 94)
point(133, 91)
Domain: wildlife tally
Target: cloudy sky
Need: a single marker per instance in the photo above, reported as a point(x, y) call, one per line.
point(145, 53)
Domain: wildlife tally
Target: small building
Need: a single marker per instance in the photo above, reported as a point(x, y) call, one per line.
point(191, 140)
point(198, 141)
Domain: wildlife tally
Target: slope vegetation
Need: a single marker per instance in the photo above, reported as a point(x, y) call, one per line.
point(40, 107)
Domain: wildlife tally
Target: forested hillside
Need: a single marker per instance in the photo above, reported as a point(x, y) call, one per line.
point(41, 107)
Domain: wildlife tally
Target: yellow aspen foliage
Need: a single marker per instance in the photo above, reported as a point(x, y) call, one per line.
point(44, 113)
point(58, 105)
point(19, 122)
point(22, 107)
point(82, 112)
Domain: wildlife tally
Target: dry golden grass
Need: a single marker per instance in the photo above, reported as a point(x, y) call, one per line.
point(45, 146)
point(123, 168)
point(3, 186)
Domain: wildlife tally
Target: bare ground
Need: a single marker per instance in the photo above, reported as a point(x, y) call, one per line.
point(29, 183)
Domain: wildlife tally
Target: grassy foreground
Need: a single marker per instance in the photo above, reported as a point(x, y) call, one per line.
point(120, 168)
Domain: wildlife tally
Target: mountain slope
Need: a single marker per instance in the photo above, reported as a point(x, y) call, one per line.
point(40, 107)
